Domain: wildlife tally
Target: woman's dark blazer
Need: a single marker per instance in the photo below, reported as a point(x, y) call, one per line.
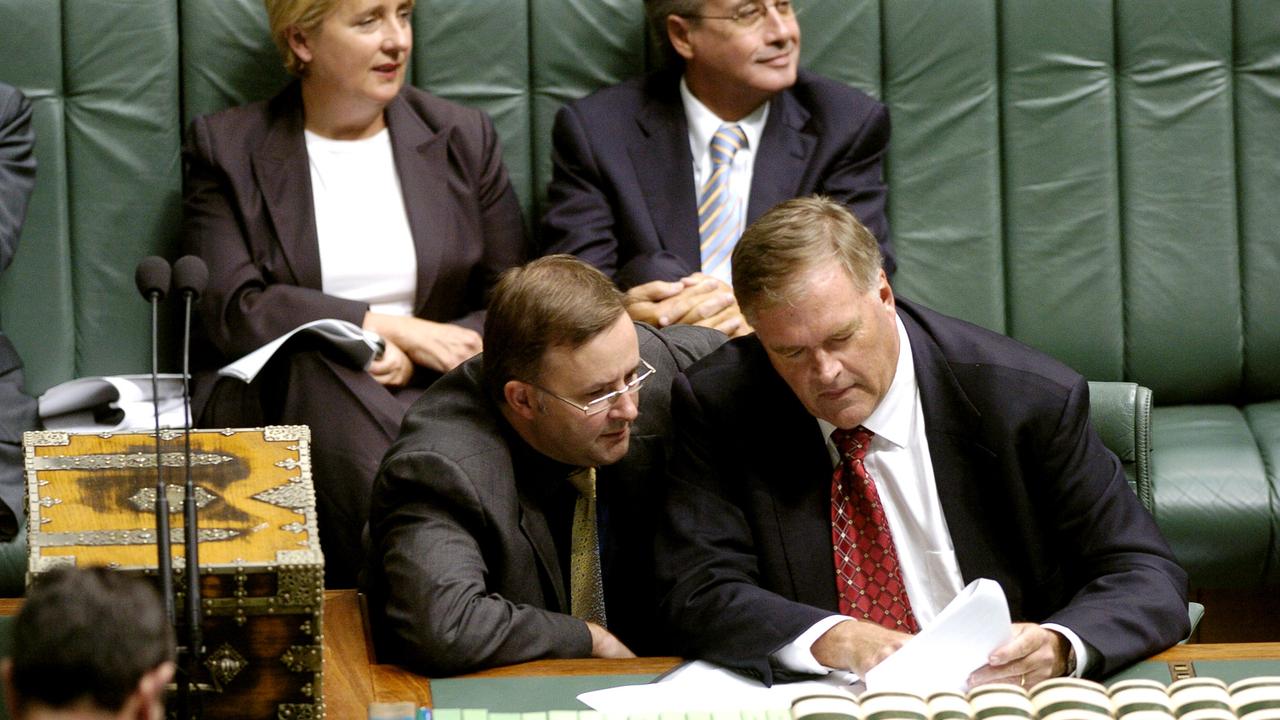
point(249, 215)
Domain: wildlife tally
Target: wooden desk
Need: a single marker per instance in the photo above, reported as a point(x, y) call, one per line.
point(351, 681)
point(389, 680)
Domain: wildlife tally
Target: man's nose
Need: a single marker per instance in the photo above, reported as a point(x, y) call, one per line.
point(626, 407)
point(825, 366)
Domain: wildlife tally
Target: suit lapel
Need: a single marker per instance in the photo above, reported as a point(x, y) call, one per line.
point(798, 478)
point(533, 523)
point(960, 460)
point(663, 167)
point(802, 500)
point(783, 155)
point(281, 168)
point(421, 157)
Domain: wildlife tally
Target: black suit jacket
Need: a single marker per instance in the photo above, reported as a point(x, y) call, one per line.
point(464, 573)
point(622, 197)
point(1031, 497)
point(249, 214)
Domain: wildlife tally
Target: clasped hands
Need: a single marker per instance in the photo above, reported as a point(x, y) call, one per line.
point(1031, 655)
point(412, 341)
point(697, 299)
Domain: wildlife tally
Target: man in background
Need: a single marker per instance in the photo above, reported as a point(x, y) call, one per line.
point(89, 643)
point(653, 180)
point(17, 410)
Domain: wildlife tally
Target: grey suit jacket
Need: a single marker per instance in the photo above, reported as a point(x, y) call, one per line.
point(622, 197)
point(17, 410)
point(464, 573)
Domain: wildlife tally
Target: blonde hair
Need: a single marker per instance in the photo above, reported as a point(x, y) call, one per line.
point(795, 236)
point(283, 16)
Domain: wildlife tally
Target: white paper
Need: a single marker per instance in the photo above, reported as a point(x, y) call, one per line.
point(89, 392)
point(358, 345)
point(703, 686)
point(112, 403)
point(940, 657)
point(957, 642)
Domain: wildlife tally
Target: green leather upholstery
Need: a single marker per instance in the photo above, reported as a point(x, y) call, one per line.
point(1121, 413)
point(1095, 178)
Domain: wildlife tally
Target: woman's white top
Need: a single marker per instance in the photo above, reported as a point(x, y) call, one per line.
point(366, 247)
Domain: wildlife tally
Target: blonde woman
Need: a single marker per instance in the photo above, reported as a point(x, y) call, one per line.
point(348, 195)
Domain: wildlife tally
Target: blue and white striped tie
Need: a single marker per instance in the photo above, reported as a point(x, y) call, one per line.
point(718, 223)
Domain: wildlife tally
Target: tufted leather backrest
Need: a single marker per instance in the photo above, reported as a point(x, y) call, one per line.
point(1096, 178)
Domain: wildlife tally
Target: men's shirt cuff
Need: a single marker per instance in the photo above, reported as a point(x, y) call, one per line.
point(797, 655)
point(1077, 645)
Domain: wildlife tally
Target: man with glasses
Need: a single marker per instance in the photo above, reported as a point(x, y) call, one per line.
point(654, 179)
point(494, 540)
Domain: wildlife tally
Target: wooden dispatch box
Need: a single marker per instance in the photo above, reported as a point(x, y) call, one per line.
point(91, 501)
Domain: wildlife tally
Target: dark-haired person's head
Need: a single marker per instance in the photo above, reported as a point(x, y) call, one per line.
point(89, 643)
point(736, 54)
point(562, 360)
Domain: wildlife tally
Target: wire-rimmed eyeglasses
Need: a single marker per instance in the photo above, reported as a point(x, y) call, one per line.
point(594, 407)
point(750, 14)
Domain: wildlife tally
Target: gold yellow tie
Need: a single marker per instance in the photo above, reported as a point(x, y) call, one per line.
point(586, 587)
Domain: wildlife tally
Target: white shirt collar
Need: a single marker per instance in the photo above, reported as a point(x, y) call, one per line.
point(703, 123)
point(894, 416)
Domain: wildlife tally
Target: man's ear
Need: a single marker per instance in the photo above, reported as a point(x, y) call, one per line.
point(885, 291)
point(678, 34)
point(519, 397)
point(299, 43)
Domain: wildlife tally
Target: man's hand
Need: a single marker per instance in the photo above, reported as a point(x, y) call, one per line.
point(858, 646)
point(439, 346)
point(1032, 655)
point(605, 645)
point(694, 300)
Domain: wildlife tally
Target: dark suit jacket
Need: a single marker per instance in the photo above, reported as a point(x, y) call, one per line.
point(622, 197)
point(464, 572)
point(1031, 497)
point(17, 410)
point(249, 214)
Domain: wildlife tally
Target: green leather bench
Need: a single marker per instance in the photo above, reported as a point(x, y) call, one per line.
point(1095, 178)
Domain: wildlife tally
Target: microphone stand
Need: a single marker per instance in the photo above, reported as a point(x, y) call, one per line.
point(163, 557)
point(152, 277)
point(191, 278)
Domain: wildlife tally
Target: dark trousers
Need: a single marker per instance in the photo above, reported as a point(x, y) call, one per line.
point(353, 420)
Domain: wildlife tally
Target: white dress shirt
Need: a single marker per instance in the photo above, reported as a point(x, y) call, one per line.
point(899, 462)
point(366, 246)
point(703, 125)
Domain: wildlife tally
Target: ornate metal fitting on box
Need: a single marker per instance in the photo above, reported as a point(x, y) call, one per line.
point(299, 586)
point(224, 665)
point(302, 658)
point(286, 433)
point(122, 461)
point(292, 711)
point(145, 498)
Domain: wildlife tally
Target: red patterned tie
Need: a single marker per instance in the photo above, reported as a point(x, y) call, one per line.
point(867, 569)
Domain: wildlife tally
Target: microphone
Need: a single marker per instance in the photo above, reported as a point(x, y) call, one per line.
point(190, 276)
point(152, 279)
